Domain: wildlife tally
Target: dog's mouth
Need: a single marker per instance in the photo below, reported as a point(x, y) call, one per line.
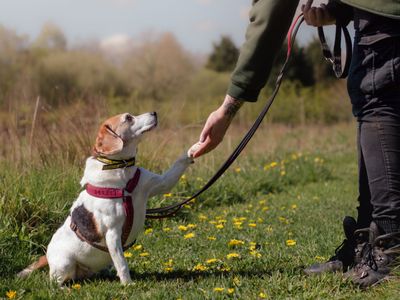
point(148, 127)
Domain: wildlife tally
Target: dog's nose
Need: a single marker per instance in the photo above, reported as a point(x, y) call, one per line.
point(154, 114)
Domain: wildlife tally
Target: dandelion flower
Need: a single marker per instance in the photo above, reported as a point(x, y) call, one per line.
point(290, 243)
point(137, 247)
point(294, 206)
point(199, 268)
point(189, 236)
point(183, 177)
point(211, 260)
point(168, 195)
point(237, 170)
point(283, 173)
point(219, 226)
point(236, 280)
point(182, 228)
point(234, 242)
point(252, 225)
point(219, 289)
point(262, 295)
point(168, 269)
point(233, 255)
point(265, 208)
point(144, 254)
point(76, 286)
point(166, 229)
point(192, 226)
point(211, 238)
point(128, 254)
point(255, 254)
point(11, 294)
point(231, 290)
point(202, 217)
point(148, 231)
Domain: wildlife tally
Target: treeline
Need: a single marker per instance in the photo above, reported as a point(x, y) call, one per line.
point(155, 73)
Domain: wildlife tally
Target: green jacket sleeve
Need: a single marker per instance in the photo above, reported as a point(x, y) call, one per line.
point(269, 23)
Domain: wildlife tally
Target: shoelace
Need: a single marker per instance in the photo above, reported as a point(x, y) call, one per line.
point(368, 257)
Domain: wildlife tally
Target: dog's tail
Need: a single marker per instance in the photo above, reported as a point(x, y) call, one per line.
point(40, 263)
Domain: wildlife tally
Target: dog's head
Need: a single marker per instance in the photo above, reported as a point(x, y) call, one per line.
point(119, 136)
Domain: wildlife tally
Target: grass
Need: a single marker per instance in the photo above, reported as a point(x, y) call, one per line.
point(278, 209)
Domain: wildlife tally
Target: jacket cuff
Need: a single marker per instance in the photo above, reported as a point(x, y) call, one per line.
point(343, 13)
point(243, 94)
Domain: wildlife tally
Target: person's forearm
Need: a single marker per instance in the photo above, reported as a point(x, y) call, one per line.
point(230, 106)
point(269, 23)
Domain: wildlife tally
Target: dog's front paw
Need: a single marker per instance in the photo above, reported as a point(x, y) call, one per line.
point(126, 281)
point(193, 150)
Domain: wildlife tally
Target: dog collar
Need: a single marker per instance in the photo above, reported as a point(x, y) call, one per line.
point(116, 164)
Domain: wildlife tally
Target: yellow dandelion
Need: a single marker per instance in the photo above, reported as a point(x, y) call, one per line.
point(144, 254)
point(192, 226)
point(166, 229)
point(128, 254)
point(189, 236)
point(234, 242)
point(236, 280)
point(225, 269)
point(237, 170)
point(11, 294)
point(283, 220)
point(290, 243)
point(202, 217)
point(255, 254)
point(199, 268)
point(233, 255)
point(213, 222)
point(239, 219)
point(269, 229)
point(283, 173)
point(219, 226)
point(169, 263)
point(76, 286)
point(294, 206)
point(320, 258)
point(168, 195)
point(137, 247)
point(238, 223)
point(230, 290)
point(168, 269)
point(253, 245)
point(265, 208)
point(211, 238)
point(183, 177)
point(182, 228)
point(219, 289)
point(211, 260)
point(262, 202)
point(148, 231)
point(252, 225)
point(187, 206)
point(262, 295)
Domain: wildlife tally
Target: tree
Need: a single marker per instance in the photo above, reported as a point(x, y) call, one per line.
point(51, 37)
point(322, 69)
point(224, 56)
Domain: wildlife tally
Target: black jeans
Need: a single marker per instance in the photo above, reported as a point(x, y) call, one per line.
point(374, 89)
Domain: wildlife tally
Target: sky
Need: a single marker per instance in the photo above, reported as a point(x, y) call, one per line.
point(195, 23)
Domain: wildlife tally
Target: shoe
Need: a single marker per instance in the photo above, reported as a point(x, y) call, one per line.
point(379, 256)
point(345, 254)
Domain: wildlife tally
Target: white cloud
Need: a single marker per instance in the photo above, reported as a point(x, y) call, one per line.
point(117, 44)
point(204, 2)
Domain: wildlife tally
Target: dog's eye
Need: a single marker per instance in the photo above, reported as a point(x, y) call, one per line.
point(128, 118)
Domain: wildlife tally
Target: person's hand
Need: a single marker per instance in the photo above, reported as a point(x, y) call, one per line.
point(317, 16)
point(216, 126)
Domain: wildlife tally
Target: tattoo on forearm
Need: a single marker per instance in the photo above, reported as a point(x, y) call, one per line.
point(231, 107)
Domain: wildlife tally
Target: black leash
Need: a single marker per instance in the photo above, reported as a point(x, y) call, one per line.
point(335, 58)
point(170, 210)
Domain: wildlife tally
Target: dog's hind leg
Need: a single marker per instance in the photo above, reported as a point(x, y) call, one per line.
point(62, 270)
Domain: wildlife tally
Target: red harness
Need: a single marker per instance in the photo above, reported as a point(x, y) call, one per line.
point(113, 193)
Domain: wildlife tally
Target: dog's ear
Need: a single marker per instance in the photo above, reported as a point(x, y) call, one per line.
point(107, 141)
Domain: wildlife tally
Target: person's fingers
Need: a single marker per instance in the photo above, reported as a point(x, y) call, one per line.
point(308, 5)
point(205, 133)
point(202, 148)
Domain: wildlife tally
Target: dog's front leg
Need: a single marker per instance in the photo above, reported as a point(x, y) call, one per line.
point(164, 183)
point(114, 245)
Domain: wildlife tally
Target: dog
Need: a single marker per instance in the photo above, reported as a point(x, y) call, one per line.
point(100, 223)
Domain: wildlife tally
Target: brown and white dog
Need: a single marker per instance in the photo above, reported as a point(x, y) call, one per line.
point(69, 255)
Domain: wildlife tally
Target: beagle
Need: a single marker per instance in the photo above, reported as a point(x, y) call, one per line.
point(110, 212)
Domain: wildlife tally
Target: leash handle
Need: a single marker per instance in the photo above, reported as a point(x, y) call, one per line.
point(170, 210)
point(335, 58)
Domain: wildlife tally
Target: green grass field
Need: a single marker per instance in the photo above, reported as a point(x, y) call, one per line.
point(277, 210)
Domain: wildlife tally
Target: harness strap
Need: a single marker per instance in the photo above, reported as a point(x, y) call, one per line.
point(127, 202)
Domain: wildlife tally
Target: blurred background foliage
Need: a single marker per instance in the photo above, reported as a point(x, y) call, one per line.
point(76, 86)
